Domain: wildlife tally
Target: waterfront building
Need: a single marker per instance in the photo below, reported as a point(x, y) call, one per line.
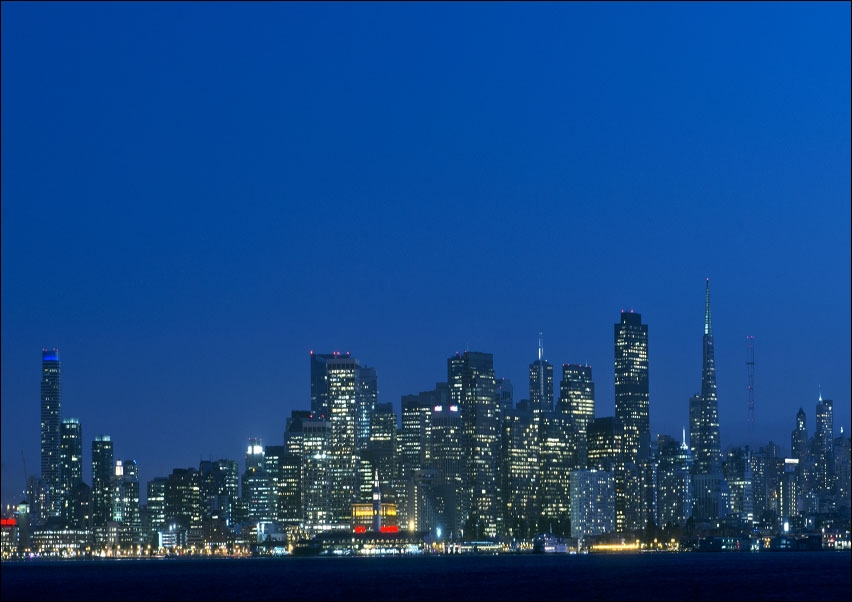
point(520, 473)
point(471, 383)
point(70, 464)
point(103, 468)
point(711, 497)
point(219, 486)
point(343, 385)
point(156, 503)
point(738, 475)
point(592, 503)
point(842, 465)
point(182, 502)
point(256, 488)
point(273, 463)
point(51, 408)
point(557, 458)
point(823, 453)
point(438, 494)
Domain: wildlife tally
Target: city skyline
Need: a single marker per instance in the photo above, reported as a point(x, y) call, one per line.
point(196, 196)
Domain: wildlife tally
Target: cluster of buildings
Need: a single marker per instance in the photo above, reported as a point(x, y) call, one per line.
point(463, 463)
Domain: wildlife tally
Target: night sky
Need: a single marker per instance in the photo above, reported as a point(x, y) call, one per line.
point(194, 196)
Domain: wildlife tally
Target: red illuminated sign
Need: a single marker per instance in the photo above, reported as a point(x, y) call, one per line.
point(360, 529)
point(393, 529)
point(7, 522)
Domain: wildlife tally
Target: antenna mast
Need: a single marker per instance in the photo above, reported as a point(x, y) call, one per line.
point(540, 372)
point(750, 366)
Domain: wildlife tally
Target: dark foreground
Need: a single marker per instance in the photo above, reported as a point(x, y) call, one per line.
point(664, 576)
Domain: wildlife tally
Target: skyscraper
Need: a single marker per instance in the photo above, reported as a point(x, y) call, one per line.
point(471, 382)
point(365, 404)
point(706, 445)
point(541, 384)
point(577, 403)
point(343, 384)
point(824, 448)
point(631, 385)
point(102, 473)
point(71, 462)
point(51, 406)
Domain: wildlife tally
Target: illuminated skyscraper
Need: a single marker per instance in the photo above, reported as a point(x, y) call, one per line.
point(577, 403)
point(365, 404)
point(103, 468)
point(824, 448)
point(71, 462)
point(471, 382)
point(541, 384)
point(520, 473)
point(705, 441)
point(343, 390)
point(51, 405)
point(631, 385)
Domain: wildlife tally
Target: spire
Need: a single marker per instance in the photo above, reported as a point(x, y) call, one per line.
point(820, 393)
point(540, 347)
point(708, 324)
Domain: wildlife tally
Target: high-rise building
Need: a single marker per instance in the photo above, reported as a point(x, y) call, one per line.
point(365, 403)
point(520, 473)
point(471, 383)
point(577, 402)
point(557, 457)
point(592, 503)
point(51, 406)
point(674, 481)
point(705, 440)
point(316, 479)
point(103, 468)
point(319, 383)
point(182, 499)
point(343, 374)
point(70, 462)
point(541, 384)
point(824, 450)
point(257, 492)
point(631, 385)
point(438, 498)
point(126, 507)
point(505, 394)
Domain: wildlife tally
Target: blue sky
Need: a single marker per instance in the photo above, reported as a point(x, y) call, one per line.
point(195, 195)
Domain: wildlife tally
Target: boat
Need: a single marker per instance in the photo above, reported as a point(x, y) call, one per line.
point(548, 543)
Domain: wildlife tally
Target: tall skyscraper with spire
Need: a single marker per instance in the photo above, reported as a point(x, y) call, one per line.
point(705, 442)
point(541, 384)
point(51, 405)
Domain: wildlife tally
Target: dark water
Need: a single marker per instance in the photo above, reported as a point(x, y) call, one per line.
point(685, 576)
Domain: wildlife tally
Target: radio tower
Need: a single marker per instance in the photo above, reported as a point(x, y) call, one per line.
point(750, 366)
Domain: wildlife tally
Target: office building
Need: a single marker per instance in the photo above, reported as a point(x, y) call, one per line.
point(103, 467)
point(70, 463)
point(631, 385)
point(471, 383)
point(51, 408)
point(577, 403)
point(704, 439)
